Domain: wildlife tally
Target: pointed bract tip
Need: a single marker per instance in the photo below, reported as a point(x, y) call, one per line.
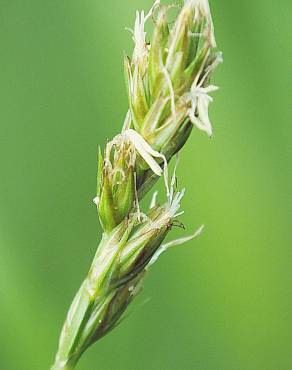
point(204, 7)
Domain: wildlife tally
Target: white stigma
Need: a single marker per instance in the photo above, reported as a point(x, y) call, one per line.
point(198, 113)
point(139, 34)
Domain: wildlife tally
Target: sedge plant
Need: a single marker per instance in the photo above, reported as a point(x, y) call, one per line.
point(168, 84)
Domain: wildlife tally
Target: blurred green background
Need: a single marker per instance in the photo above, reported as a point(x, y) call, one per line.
point(222, 302)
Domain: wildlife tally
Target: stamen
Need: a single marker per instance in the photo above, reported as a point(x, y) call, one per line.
point(173, 243)
point(148, 154)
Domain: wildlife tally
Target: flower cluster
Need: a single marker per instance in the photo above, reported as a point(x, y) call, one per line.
point(168, 83)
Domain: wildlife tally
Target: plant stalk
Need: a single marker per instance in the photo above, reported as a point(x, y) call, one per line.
point(71, 346)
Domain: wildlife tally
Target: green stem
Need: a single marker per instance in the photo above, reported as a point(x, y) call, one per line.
point(59, 366)
point(67, 356)
point(71, 345)
point(85, 320)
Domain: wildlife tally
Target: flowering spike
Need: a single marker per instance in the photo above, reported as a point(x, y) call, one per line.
point(167, 78)
point(168, 83)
